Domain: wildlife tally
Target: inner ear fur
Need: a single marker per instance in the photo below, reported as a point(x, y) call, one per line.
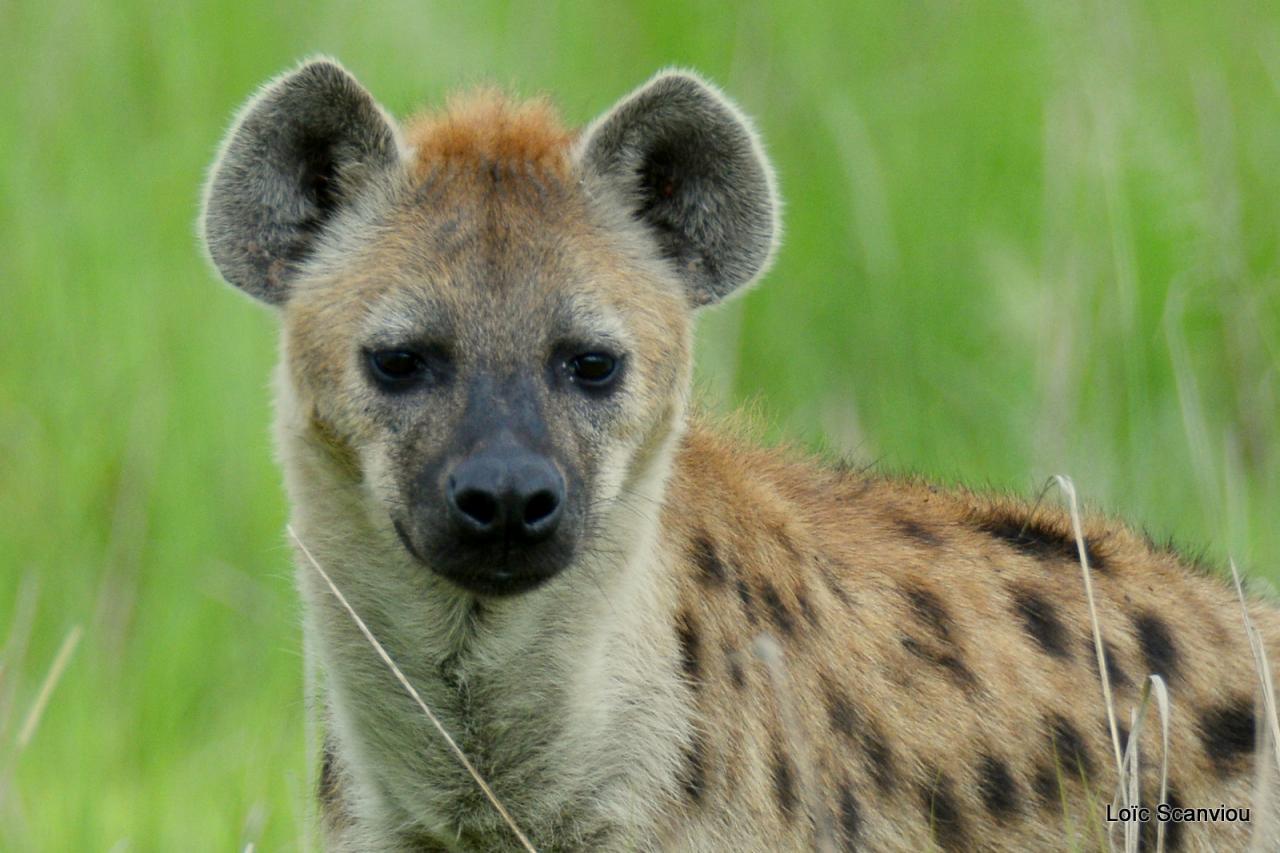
point(691, 168)
point(298, 152)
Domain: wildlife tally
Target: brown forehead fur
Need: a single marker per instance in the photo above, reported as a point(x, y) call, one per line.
point(486, 128)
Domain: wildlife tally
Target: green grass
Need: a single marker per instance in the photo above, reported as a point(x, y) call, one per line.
point(1021, 239)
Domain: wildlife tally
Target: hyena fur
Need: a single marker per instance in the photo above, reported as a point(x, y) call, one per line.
point(484, 420)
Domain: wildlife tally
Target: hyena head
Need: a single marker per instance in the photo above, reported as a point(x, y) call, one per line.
point(486, 317)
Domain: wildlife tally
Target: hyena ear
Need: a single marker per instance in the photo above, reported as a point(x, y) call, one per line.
point(299, 151)
point(692, 169)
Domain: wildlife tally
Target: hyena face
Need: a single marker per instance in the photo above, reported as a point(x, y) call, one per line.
point(495, 365)
point(487, 318)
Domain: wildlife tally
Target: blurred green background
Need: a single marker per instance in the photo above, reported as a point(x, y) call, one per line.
point(1022, 238)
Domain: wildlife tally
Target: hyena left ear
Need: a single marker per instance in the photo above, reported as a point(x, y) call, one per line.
point(305, 148)
point(691, 168)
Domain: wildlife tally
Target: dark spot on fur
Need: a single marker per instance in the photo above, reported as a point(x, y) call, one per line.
point(849, 723)
point(694, 775)
point(1046, 784)
point(711, 569)
point(844, 719)
point(917, 532)
point(1172, 829)
point(784, 539)
point(1122, 732)
point(833, 584)
point(329, 790)
point(929, 610)
point(850, 816)
point(1158, 649)
point(747, 599)
point(784, 783)
point(1065, 741)
point(1041, 540)
point(1147, 834)
point(1070, 760)
point(778, 612)
point(1040, 619)
point(1115, 673)
point(943, 812)
point(687, 635)
point(328, 776)
point(1228, 731)
point(806, 608)
point(997, 786)
point(736, 673)
point(879, 755)
point(948, 662)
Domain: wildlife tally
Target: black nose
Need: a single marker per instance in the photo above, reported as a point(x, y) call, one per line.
point(509, 494)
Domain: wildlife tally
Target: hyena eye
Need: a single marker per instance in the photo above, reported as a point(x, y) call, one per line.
point(396, 369)
point(593, 369)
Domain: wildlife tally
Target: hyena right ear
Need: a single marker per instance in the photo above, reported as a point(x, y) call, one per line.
point(690, 167)
point(300, 150)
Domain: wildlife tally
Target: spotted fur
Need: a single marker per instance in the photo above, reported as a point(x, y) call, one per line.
point(941, 686)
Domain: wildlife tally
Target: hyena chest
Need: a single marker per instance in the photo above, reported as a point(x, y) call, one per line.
point(560, 762)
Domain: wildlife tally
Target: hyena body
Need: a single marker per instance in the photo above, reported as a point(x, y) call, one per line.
point(483, 418)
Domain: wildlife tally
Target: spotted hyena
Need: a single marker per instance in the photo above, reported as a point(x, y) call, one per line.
point(484, 420)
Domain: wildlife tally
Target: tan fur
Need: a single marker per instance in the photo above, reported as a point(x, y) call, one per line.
point(486, 128)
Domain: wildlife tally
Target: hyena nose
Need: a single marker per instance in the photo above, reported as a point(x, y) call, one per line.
point(513, 495)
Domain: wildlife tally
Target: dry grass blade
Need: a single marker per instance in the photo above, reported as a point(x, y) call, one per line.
point(1069, 489)
point(413, 693)
point(1271, 732)
point(1264, 780)
point(1129, 791)
point(60, 661)
point(1156, 686)
point(766, 648)
point(1128, 773)
point(1261, 664)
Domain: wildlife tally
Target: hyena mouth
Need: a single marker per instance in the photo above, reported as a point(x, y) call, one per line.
point(494, 570)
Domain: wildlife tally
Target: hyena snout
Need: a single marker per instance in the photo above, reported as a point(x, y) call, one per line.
point(505, 495)
point(497, 519)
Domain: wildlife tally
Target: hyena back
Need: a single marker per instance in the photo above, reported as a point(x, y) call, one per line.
point(484, 422)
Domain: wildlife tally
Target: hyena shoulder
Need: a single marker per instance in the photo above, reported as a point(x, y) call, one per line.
point(941, 675)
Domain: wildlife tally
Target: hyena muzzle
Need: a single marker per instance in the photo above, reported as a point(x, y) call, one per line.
point(483, 416)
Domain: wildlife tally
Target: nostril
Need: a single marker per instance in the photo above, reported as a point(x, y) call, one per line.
point(541, 505)
point(480, 507)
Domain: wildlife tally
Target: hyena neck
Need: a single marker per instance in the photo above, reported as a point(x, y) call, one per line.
point(567, 699)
